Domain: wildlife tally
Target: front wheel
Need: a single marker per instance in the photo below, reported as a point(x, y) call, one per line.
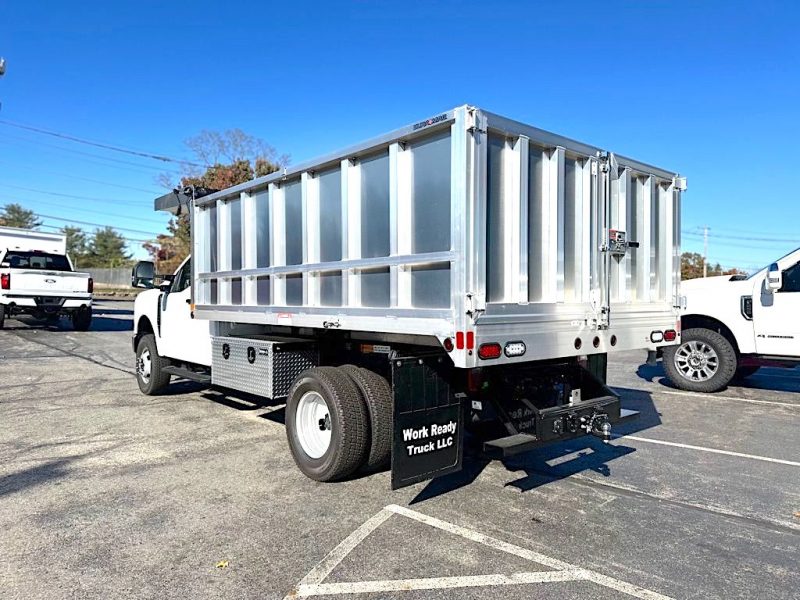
point(150, 365)
point(327, 425)
point(704, 361)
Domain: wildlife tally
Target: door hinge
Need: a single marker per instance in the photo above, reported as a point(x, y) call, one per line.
point(474, 307)
point(472, 122)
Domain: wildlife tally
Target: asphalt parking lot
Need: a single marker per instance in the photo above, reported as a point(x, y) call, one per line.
point(107, 493)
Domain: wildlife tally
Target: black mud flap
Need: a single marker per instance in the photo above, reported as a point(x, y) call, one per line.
point(428, 425)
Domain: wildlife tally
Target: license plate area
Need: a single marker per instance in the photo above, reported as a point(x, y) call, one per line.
point(49, 301)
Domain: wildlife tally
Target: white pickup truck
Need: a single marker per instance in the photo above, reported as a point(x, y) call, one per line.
point(37, 278)
point(731, 326)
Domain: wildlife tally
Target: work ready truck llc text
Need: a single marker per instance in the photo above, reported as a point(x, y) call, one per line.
point(429, 438)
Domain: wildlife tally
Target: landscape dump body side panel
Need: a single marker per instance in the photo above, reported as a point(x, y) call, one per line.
point(464, 225)
point(369, 239)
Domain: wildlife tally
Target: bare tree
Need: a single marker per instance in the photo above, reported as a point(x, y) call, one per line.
point(216, 149)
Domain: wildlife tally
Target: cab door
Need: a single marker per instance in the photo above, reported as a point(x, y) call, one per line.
point(776, 316)
point(183, 337)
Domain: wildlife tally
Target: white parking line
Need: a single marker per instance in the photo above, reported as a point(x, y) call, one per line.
point(718, 397)
point(780, 461)
point(438, 583)
point(335, 556)
point(312, 584)
point(486, 540)
point(609, 582)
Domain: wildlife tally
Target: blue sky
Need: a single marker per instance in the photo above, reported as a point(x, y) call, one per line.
point(710, 89)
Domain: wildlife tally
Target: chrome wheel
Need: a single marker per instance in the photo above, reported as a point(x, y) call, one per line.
point(144, 365)
point(313, 424)
point(696, 361)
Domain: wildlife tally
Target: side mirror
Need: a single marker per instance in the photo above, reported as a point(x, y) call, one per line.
point(774, 278)
point(143, 274)
point(166, 283)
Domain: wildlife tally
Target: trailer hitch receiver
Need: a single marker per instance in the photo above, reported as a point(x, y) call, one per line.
point(598, 425)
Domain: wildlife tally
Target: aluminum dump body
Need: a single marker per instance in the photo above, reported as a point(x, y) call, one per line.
point(466, 225)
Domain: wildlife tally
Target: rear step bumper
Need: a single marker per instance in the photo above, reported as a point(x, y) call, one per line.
point(558, 424)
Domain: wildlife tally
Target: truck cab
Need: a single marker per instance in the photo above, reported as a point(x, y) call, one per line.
point(166, 314)
point(733, 325)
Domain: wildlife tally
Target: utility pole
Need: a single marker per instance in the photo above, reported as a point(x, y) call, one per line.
point(705, 250)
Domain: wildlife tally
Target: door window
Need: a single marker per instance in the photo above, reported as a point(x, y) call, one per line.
point(184, 277)
point(791, 279)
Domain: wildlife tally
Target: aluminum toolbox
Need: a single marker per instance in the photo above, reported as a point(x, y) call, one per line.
point(262, 366)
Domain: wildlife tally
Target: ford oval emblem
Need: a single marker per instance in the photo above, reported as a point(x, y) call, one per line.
point(49, 280)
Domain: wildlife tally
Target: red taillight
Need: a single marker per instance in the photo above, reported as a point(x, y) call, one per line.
point(489, 351)
point(670, 335)
point(448, 344)
point(470, 340)
point(460, 340)
point(5, 281)
point(91, 285)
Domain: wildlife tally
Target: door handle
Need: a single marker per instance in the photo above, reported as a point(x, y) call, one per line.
point(188, 301)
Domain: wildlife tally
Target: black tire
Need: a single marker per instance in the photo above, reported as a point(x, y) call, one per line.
point(2, 315)
point(745, 372)
point(157, 379)
point(82, 319)
point(348, 422)
point(53, 319)
point(726, 361)
point(377, 395)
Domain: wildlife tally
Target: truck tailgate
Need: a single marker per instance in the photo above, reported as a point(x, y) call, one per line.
point(36, 282)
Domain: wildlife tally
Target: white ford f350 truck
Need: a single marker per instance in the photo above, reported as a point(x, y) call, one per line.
point(465, 271)
point(37, 279)
point(733, 325)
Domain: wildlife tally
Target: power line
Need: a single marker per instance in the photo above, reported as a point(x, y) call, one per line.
point(749, 231)
point(78, 177)
point(74, 196)
point(744, 238)
point(772, 244)
point(94, 212)
point(78, 140)
point(127, 239)
point(92, 155)
point(96, 224)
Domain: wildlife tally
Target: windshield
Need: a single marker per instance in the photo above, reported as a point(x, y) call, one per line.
point(754, 273)
point(36, 260)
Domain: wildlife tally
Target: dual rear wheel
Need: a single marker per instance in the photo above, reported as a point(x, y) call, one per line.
point(338, 420)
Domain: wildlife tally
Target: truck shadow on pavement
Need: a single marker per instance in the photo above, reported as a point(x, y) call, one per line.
point(539, 467)
point(557, 461)
point(99, 324)
point(773, 379)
